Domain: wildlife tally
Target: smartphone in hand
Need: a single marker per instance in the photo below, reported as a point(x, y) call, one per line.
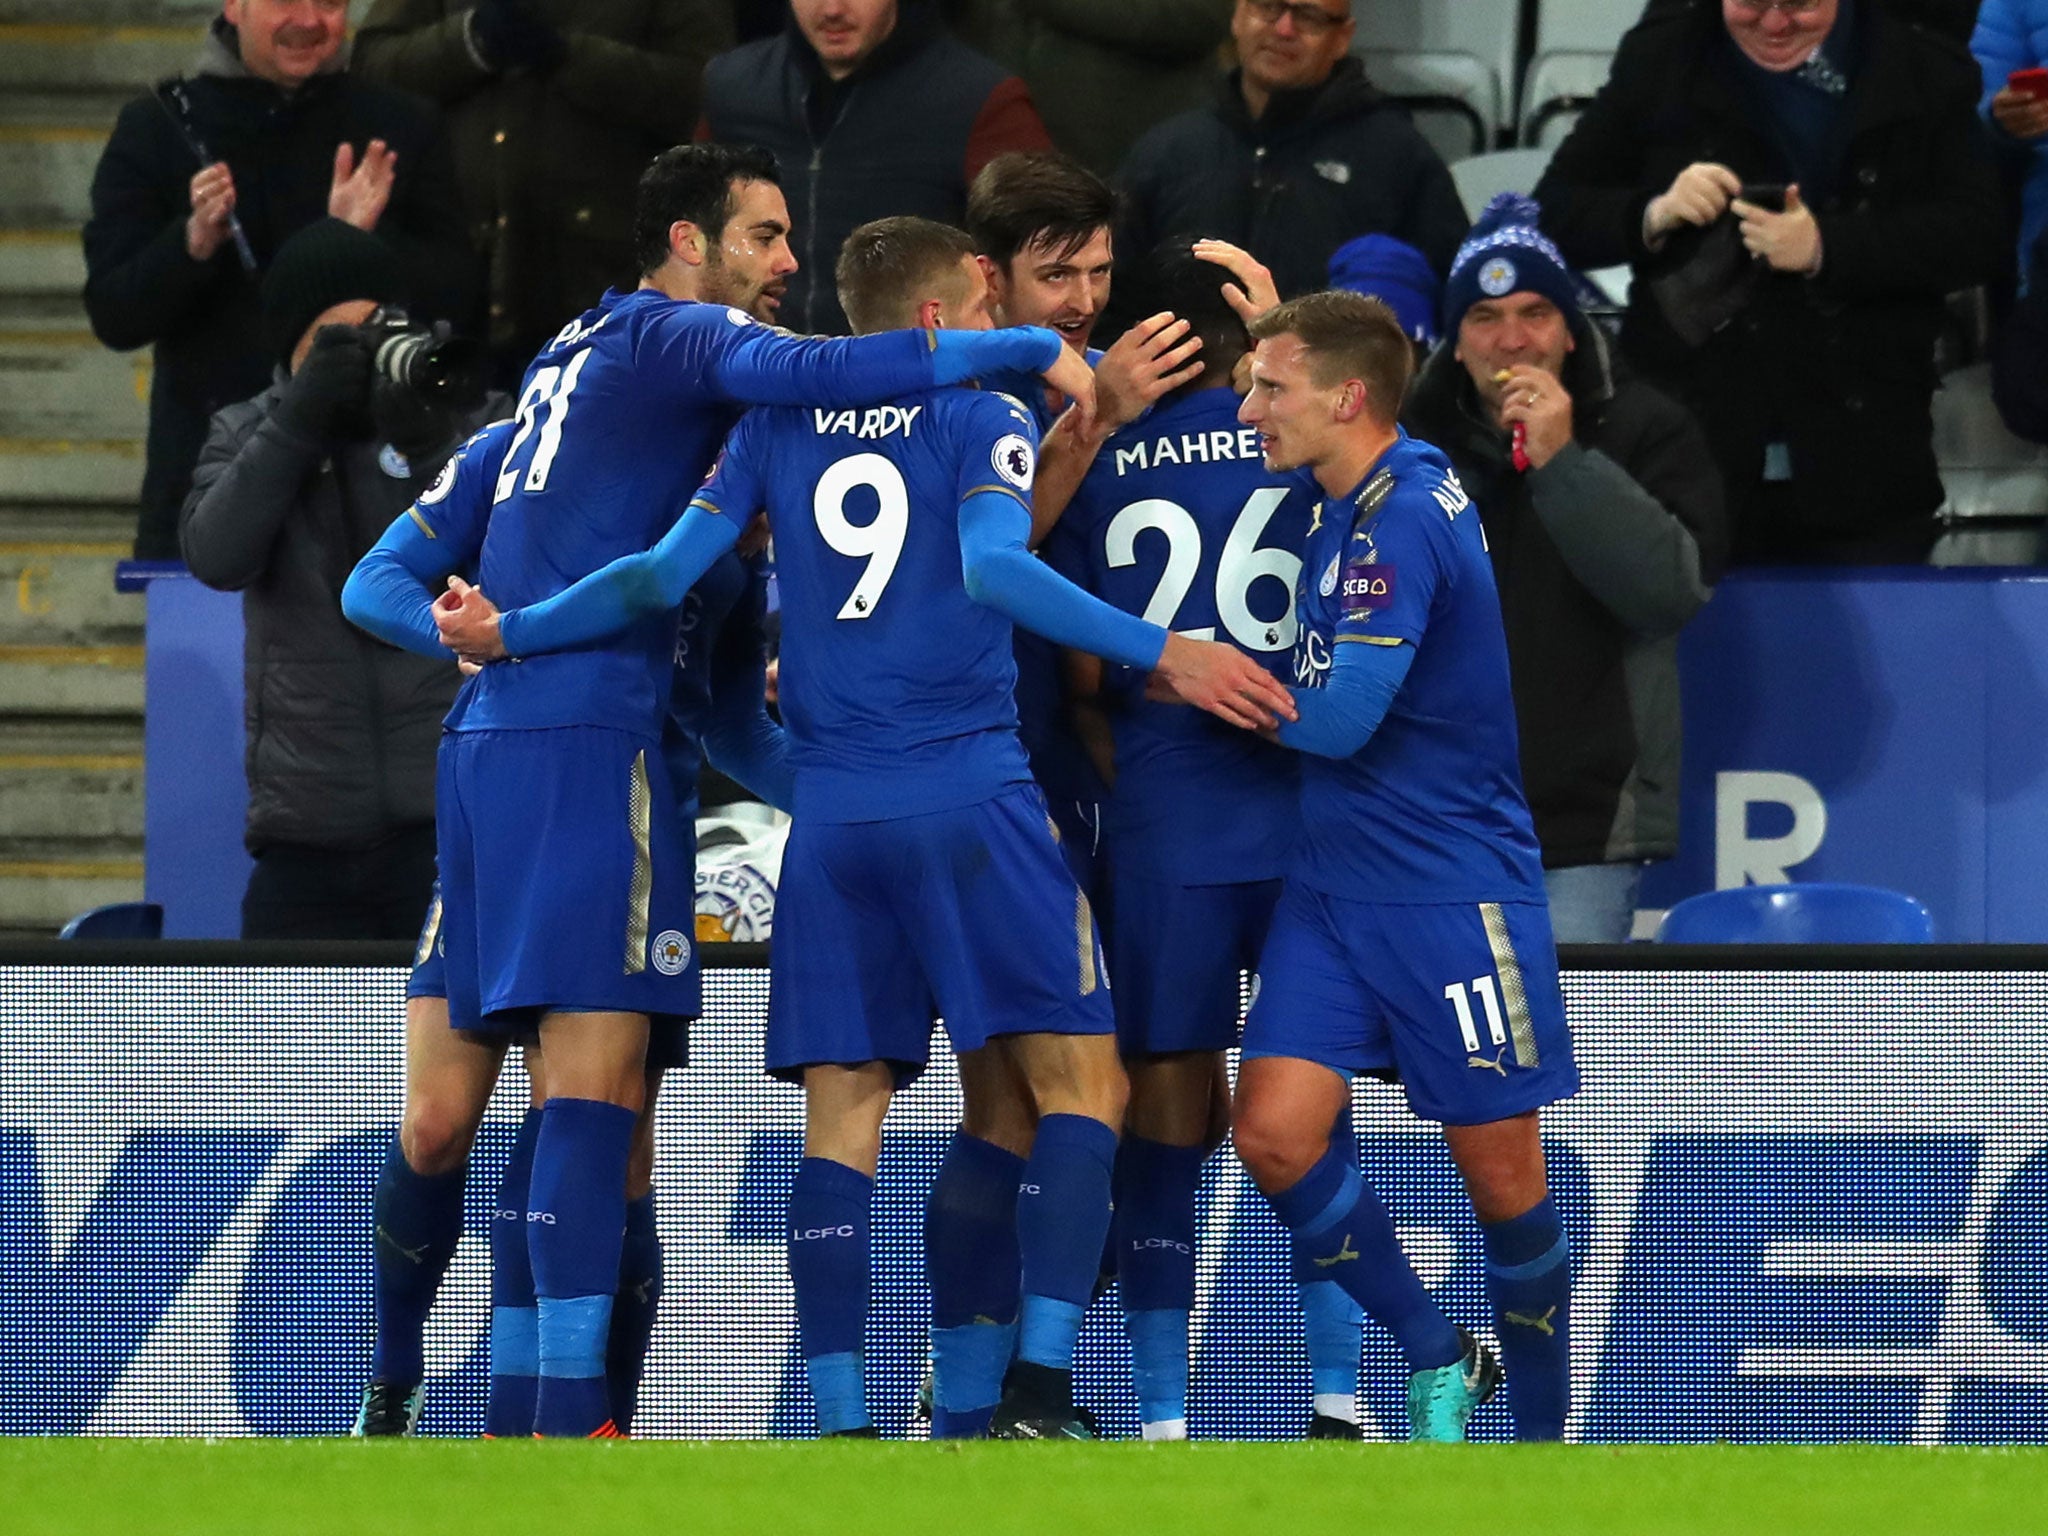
point(1769, 196)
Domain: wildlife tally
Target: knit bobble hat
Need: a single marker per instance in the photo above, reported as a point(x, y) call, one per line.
point(1395, 273)
point(1506, 253)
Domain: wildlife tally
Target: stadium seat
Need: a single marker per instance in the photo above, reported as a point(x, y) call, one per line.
point(1997, 484)
point(121, 920)
point(1813, 913)
point(1575, 43)
point(1453, 65)
point(1453, 98)
point(1483, 177)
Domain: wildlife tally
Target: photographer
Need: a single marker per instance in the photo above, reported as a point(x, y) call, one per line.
point(291, 489)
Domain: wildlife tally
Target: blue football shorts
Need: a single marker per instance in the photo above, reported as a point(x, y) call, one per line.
point(969, 914)
point(566, 881)
point(1177, 952)
point(668, 1038)
point(1461, 1001)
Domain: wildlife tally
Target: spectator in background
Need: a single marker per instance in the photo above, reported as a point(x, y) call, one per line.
point(2019, 354)
point(554, 107)
point(202, 181)
point(2012, 35)
point(1102, 73)
point(871, 110)
point(1295, 155)
point(1400, 277)
point(1606, 535)
point(292, 489)
point(1815, 388)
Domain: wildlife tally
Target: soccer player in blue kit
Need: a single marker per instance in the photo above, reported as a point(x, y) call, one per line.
point(1180, 520)
point(717, 708)
point(567, 889)
point(1412, 933)
point(922, 870)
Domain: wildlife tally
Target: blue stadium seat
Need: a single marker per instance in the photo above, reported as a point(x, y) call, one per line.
point(121, 920)
point(1814, 913)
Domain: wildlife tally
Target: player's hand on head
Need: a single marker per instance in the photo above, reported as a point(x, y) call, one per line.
point(1146, 362)
point(1224, 681)
point(1254, 292)
point(468, 622)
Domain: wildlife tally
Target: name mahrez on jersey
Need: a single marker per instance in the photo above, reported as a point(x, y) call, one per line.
point(875, 422)
point(1190, 448)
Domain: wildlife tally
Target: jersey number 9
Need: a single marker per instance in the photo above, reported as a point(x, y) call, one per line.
point(880, 542)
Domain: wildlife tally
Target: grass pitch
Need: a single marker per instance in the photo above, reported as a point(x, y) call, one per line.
point(450, 1488)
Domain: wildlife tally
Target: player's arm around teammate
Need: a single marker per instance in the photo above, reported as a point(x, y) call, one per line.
point(1412, 934)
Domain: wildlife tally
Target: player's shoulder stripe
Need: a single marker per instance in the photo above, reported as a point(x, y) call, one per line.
point(1008, 490)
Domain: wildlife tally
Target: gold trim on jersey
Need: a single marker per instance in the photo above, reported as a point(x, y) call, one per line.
point(639, 815)
point(1084, 942)
point(1007, 490)
point(424, 950)
point(1514, 997)
point(425, 527)
point(1368, 640)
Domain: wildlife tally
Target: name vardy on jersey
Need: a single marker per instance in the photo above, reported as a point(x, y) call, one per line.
point(1190, 448)
point(876, 421)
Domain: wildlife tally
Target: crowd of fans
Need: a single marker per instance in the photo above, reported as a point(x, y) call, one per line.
point(1799, 188)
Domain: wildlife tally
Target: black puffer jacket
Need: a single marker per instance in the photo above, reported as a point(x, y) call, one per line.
point(1839, 367)
point(906, 133)
point(342, 729)
point(1601, 556)
point(205, 317)
point(1319, 168)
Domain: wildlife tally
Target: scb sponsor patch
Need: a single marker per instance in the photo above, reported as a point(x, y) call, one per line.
point(1366, 586)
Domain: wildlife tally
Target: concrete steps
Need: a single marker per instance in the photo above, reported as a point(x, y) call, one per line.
point(72, 420)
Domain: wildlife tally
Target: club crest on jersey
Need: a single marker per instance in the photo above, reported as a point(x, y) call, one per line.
point(444, 482)
point(1328, 585)
point(1014, 460)
point(669, 953)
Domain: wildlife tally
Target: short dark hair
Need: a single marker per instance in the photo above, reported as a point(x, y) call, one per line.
point(887, 263)
point(1175, 278)
point(692, 182)
point(1348, 336)
point(1041, 198)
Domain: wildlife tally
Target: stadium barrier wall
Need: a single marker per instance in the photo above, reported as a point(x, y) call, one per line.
point(1880, 727)
point(1807, 1192)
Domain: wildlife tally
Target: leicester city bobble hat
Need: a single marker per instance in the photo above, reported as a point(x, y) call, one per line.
point(1506, 253)
point(1395, 273)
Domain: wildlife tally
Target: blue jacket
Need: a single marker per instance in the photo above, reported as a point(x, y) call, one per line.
point(2010, 35)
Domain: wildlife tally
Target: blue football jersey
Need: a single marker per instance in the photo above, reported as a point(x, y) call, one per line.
point(619, 418)
point(455, 511)
point(721, 635)
point(896, 685)
point(1180, 522)
point(1431, 809)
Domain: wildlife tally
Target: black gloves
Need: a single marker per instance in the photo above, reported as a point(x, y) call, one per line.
point(511, 34)
point(332, 387)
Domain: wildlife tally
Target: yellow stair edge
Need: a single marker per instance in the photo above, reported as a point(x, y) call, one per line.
point(116, 656)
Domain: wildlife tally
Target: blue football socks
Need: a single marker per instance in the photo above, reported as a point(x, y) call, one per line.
point(418, 1222)
point(575, 1228)
point(1332, 1323)
point(633, 1313)
point(1528, 1279)
point(1155, 1256)
point(515, 1318)
point(1062, 1219)
point(1341, 1229)
point(972, 1263)
point(829, 1236)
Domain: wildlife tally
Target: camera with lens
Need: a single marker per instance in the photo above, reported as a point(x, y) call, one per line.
point(428, 365)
